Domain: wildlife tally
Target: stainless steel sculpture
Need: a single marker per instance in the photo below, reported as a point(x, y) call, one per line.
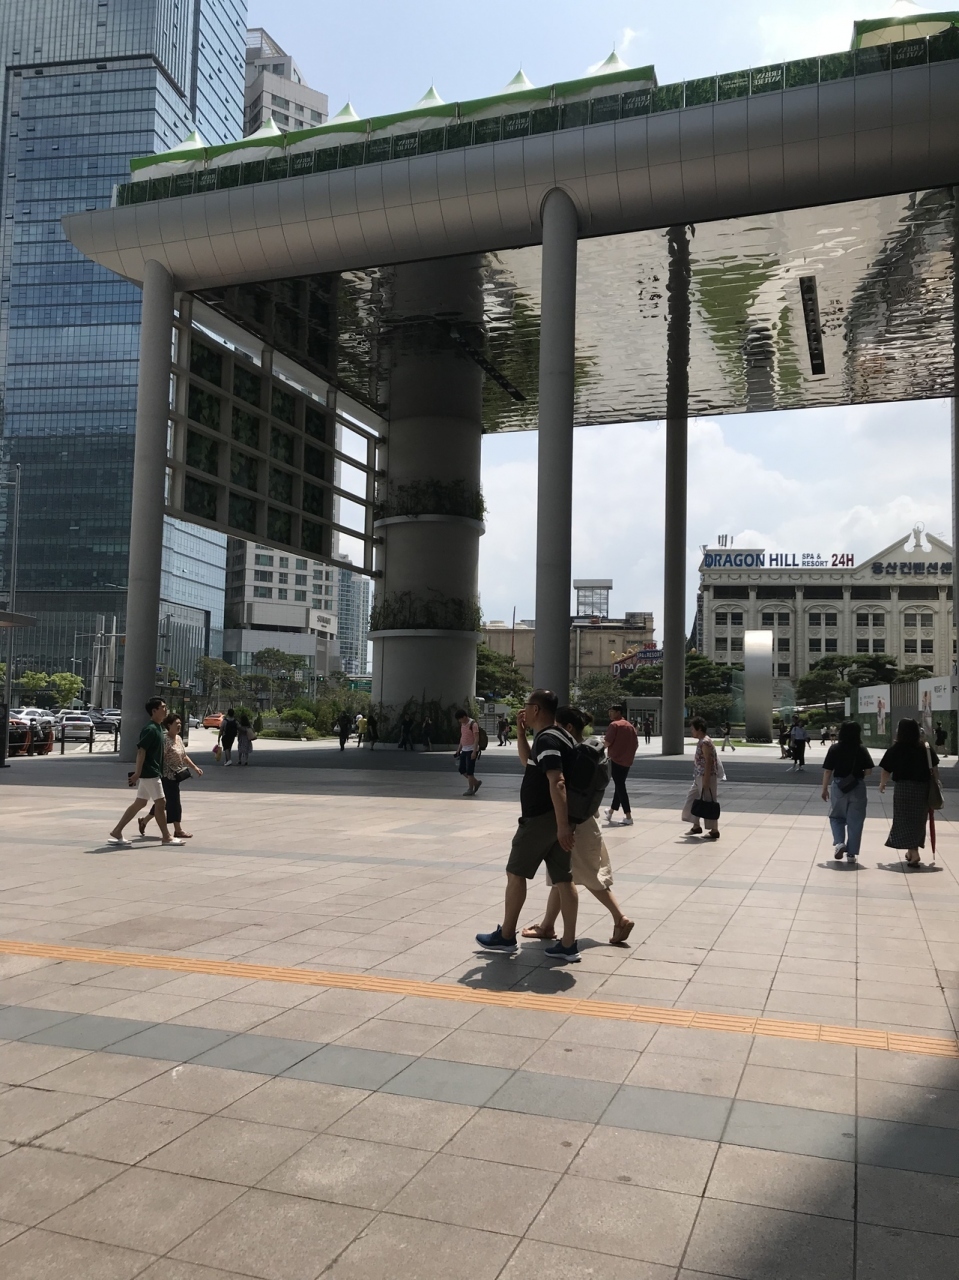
point(758, 685)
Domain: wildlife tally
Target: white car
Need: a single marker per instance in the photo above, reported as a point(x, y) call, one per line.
point(73, 724)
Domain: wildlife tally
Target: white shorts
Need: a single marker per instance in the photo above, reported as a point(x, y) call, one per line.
point(150, 789)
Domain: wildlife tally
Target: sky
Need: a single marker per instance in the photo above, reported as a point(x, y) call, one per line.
point(843, 480)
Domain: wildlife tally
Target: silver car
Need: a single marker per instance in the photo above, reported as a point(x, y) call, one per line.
point(75, 725)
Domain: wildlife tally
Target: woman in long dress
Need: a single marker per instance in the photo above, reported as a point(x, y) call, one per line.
point(910, 763)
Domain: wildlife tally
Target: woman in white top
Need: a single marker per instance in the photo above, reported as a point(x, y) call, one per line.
point(707, 773)
point(175, 761)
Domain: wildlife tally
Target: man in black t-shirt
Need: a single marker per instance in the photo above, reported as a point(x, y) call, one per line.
point(544, 833)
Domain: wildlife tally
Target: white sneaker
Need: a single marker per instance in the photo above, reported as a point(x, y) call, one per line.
point(627, 821)
point(609, 815)
point(174, 840)
point(228, 763)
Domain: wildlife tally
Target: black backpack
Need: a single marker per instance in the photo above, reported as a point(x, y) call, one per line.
point(587, 777)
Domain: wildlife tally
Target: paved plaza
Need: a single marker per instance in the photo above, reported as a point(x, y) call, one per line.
point(202, 1121)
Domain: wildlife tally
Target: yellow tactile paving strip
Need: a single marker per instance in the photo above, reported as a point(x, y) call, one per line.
point(812, 1031)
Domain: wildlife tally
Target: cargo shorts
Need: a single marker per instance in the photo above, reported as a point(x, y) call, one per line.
point(534, 843)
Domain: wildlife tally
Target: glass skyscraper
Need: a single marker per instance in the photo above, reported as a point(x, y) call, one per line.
point(87, 85)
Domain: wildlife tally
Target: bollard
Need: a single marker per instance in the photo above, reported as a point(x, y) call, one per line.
point(63, 741)
point(92, 733)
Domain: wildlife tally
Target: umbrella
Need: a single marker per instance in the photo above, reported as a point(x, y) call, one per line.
point(932, 832)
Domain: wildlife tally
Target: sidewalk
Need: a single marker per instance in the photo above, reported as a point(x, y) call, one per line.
point(207, 1124)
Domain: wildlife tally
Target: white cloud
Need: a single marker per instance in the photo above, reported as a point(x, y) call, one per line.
point(846, 479)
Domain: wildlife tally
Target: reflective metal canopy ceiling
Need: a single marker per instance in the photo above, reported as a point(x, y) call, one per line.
point(884, 271)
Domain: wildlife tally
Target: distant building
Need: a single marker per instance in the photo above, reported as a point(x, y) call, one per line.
point(592, 597)
point(898, 601)
point(280, 602)
point(353, 621)
point(595, 644)
point(275, 88)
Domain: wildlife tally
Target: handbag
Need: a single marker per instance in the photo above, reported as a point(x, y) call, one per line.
point(847, 784)
point(701, 808)
point(935, 791)
point(182, 775)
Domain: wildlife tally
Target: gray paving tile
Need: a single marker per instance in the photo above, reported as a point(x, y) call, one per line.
point(356, 1068)
point(265, 1055)
point(17, 1022)
point(565, 1097)
point(169, 1042)
point(922, 1148)
point(444, 1081)
point(793, 1129)
point(907, 1255)
point(754, 1243)
point(904, 1199)
point(398, 1248)
point(686, 1115)
point(87, 1031)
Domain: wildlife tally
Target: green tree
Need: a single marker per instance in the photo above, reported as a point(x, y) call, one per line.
point(823, 683)
point(278, 666)
point(497, 675)
point(66, 686)
point(298, 717)
point(32, 682)
point(215, 675)
point(645, 682)
point(598, 691)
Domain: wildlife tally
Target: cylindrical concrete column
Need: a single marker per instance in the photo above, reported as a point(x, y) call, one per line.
point(146, 516)
point(426, 608)
point(954, 629)
point(554, 494)
point(674, 557)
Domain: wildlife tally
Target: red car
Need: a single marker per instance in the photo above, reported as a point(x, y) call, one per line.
point(213, 720)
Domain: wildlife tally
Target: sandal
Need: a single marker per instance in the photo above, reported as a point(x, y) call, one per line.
point(142, 825)
point(694, 831)
point(537, 931)
point(621, 931)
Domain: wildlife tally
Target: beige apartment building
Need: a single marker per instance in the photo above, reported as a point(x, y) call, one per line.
point(595, 644)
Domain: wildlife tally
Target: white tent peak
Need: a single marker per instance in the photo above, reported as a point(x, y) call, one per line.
point(345, 112)
point(192, 142)
point(430, 98)
point(520, 81)
point(268, 129)
point(613, 63)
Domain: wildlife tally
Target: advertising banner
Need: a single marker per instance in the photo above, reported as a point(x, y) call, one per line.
point(874, 701)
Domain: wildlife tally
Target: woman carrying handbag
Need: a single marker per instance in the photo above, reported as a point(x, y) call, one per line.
point(702, 801)
point(913, 767)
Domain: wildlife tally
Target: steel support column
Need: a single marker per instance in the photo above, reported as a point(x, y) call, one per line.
point(146, 516)
point(674, 558)
point(554, 505)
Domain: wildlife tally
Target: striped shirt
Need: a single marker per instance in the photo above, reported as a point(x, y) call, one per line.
point(549, 751)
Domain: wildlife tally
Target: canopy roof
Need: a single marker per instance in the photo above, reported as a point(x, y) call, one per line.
point(875, 31)
point(613, 76)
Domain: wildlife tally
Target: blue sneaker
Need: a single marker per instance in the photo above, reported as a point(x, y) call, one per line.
point(558, 952)
point(495, 941)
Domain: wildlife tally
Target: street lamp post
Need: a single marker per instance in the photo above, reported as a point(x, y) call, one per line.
point(13, 484)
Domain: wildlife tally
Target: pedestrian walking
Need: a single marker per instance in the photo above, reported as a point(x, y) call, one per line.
point(426, 733)
point(360, 729)
point(912, 765)
point(147, 777)
point(406, 733)
point(177, 767)
point(589, 859)
point(622, 742)
point(502, 731)
point(844, 771)
point(708, 772)
point(941, 738)
point(226, 736)
point(344, 727)
point(468, 751)
point(543, 834)
point(245, 738)
point(647, 729)
point(727, 738)
point(372, 728)
point(798, 738)
point(785, 748)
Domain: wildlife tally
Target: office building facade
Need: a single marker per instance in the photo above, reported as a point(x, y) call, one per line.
point(280, 602)
point(898, 601)
point(275, 89)
point(353, 622)
point(87, 86)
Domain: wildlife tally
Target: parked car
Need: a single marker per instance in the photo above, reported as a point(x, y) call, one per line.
point(104, 723)
point(194, 721)
point(75, 725)
point(213, 720)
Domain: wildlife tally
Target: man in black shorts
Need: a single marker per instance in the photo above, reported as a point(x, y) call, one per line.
point(544, 833)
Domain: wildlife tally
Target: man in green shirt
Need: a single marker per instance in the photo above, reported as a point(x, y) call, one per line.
point(146, 777)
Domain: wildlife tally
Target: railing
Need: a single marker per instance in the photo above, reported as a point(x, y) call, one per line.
point(460, 133)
